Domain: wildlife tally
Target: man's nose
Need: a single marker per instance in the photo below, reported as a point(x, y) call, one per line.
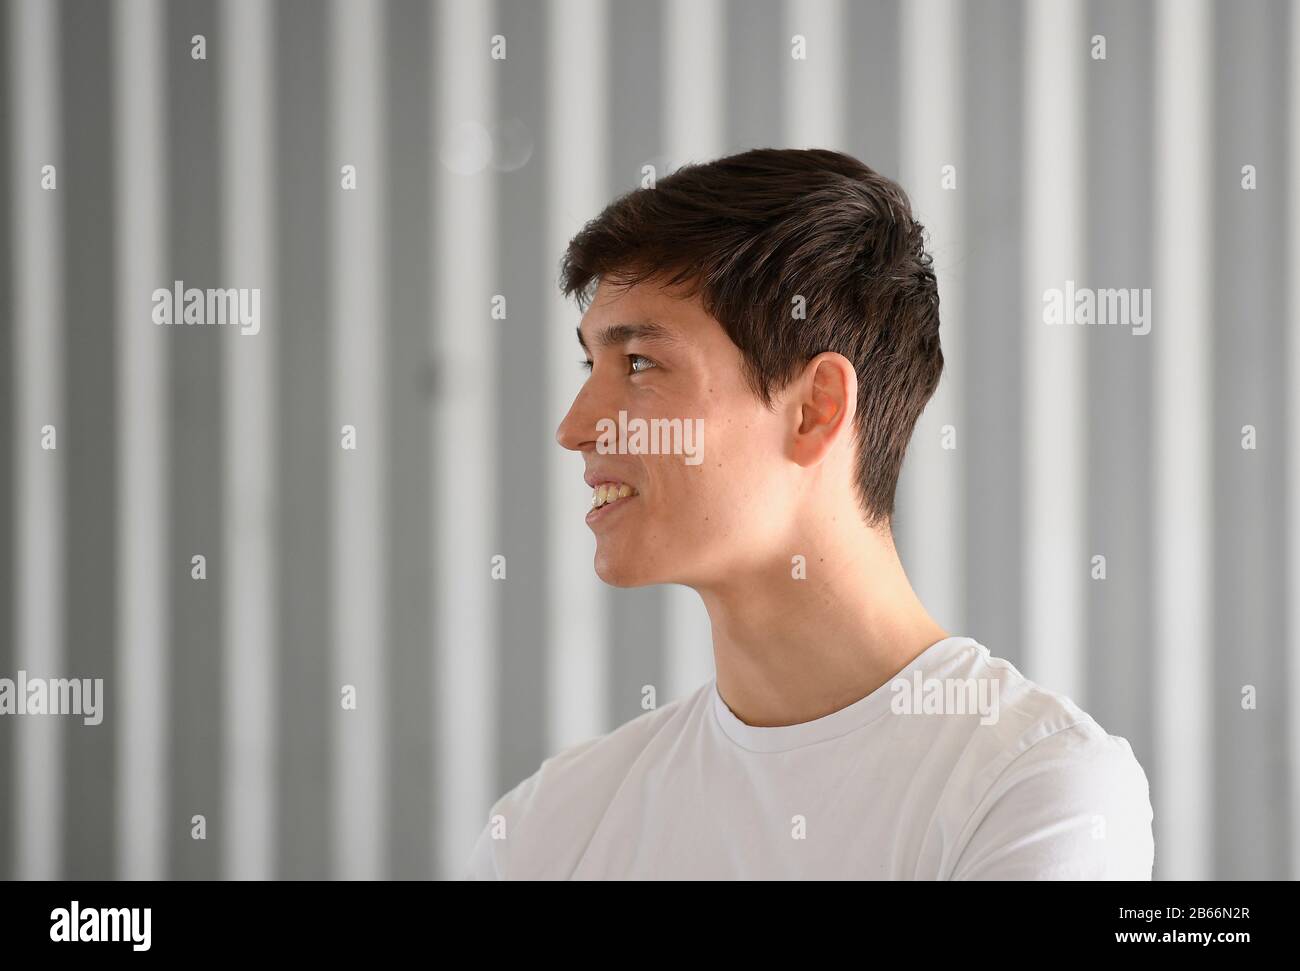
point(579, 426)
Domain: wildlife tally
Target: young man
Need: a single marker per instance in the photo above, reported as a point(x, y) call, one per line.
point(784, 299)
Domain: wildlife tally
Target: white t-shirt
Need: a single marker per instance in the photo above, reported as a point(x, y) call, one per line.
point(1012, 781)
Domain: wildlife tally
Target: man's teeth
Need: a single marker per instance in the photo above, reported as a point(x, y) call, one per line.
point(604, 494)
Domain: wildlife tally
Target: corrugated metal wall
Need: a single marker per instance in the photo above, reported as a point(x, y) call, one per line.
point(371, 567)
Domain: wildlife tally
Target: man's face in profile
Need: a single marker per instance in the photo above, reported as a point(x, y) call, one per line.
point(655, 355)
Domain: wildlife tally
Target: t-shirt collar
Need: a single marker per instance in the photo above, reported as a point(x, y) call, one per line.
point(783, 738)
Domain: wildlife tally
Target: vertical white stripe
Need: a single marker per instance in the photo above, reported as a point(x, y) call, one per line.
point(814, 85)
point(1181, 791)
point(694, 73)
point(250, 499)
point(694, 93)
point(576, 181)
point(38, 316)
point(360, 784)
point(463, 451)
point(1054, 414)
point(933, 529)
point(142, 398)
point(1293, 452)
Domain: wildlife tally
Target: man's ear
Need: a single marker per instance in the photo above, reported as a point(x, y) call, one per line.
point(825, 400)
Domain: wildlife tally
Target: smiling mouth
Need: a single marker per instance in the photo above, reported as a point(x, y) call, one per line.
point(608, 493)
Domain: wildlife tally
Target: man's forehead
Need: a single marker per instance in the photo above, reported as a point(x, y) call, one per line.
point(617, 315)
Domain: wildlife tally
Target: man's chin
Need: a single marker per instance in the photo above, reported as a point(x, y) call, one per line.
point(622, 571)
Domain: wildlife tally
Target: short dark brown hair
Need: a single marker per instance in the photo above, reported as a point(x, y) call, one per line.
point(751, 233)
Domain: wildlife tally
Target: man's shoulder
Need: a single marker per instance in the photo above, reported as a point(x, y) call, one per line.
point(1031, 720)
point(539, 828)
point(1044, 763)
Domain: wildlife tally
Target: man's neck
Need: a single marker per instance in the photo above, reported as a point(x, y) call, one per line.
point(791, 650)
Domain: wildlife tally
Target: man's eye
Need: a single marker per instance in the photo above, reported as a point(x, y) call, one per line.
point(640, 363)
point(585, 365)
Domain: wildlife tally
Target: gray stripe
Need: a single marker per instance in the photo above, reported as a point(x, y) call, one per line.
point(994, 220)
point(306, 437)
point(1120, 225)
point(1252, 838)
point(411, 806)
point(753, 97)
point(872, 73)
point(195, 635)
point(523, 269)
point(86, 175)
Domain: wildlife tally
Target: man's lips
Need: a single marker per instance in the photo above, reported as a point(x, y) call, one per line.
point(595, 477)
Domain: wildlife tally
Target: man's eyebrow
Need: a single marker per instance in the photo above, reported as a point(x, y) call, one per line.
point(647, 331)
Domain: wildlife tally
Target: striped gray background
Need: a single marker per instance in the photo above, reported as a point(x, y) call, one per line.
point(371, 567)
